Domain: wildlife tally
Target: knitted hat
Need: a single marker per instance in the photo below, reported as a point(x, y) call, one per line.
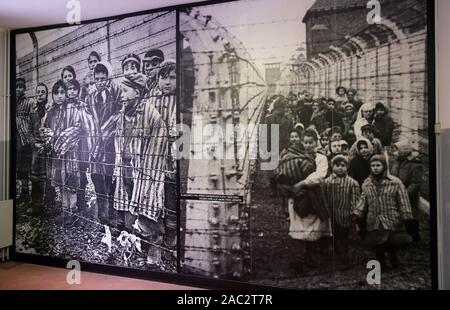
point(381, 158)
point(338, 159)
point(134, 58)
point(152, 54)
point(302, 127)
point(349, 105)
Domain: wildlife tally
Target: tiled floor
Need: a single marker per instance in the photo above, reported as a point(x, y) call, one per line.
point(21, 276)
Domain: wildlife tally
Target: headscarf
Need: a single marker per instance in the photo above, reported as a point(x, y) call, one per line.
point(360, 120)
point(355, 149)
point(135, 81)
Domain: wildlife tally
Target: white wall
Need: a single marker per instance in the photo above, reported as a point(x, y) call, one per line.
point(443, 139)
point(443, 62)
point(4, 115)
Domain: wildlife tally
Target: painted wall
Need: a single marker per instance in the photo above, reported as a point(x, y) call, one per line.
point(443, 62)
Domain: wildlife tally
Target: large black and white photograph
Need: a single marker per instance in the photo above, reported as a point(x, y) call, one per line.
point(315, 114)
point(95, 118)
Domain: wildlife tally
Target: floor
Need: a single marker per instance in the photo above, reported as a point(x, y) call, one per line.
point(21, 276)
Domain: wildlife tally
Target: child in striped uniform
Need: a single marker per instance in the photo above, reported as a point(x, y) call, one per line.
point(60, 125)
point(24, 133)
point(165, 103)
point(386, 208)
point(88, 134)
point(342, 196)
point(141, 143)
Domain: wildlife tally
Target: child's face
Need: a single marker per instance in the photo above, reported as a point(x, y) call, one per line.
point(341, 92)
point(72, 92)
point(168, 84)
point(90, 86)
point(363, 149)
point(294, 138)
point(130, 68)
point(344, 147)
point(330, 105)
point(340, 168)
point(67, 76)
point(335, 147)
point(59, 96)
point(309, 144)
point(324, 141)
point(376, 167)
point(41, 94)
point(349, 111)
point(336, 136)
point(368, 134)
point(315, 107)
point(151, 67)
point(100, 80)
point(20, 90)
point(92, 61)
point(128, 94)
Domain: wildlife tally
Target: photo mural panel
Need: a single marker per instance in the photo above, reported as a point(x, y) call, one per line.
point(95, 114)
point(340, 98)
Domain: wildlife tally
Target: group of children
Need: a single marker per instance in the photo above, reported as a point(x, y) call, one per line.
point(336, 175)
point(103, 147)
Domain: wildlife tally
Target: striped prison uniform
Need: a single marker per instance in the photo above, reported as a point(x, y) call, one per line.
point(104, 107)
point(23, 121)
point(88, 136)
point(147, 144)
point(61, 119)
point(385, 204)
point(38, 164)
point(342, 195)
point(166, 106)
point(295, 167)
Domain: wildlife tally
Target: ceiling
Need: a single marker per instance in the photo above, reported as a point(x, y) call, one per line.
point(31, 13)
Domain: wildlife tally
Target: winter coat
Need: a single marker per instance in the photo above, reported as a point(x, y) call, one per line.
point(385, 128)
